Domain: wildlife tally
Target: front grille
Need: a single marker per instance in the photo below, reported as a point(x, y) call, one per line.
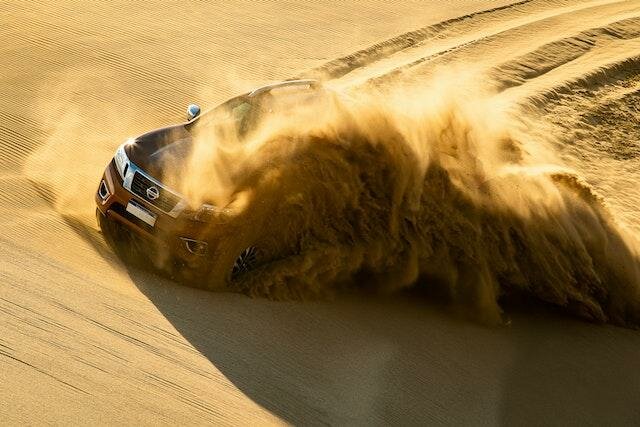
point(166, 200)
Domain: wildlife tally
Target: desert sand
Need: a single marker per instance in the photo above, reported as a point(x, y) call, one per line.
point(85, 339)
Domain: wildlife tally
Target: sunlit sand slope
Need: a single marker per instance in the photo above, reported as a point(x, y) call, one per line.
point(83, 339)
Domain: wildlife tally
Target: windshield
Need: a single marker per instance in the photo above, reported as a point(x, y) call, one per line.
point(234, 112)
point(242, 114)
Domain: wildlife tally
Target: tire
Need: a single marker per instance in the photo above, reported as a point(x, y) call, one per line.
point(125, 245)
point(246, 261)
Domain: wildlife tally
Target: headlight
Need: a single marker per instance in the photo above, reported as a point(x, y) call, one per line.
point(121, 160)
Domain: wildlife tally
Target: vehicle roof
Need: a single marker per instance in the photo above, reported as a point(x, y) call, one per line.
point(303, 82)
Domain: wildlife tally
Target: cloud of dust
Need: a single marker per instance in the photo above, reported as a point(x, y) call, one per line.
point(84, 125)
point(429, 186)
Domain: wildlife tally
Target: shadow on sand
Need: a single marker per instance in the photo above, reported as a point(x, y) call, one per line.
point(402, 360)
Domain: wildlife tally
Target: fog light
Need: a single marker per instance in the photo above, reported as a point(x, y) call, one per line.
point(196, 247)
point(103, 190)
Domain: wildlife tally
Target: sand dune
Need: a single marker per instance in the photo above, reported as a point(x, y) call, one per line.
point(85, 339)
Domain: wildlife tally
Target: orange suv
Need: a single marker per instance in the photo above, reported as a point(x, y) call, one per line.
point(146, 219)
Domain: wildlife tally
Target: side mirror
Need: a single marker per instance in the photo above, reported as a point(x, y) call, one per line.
point(193, 111)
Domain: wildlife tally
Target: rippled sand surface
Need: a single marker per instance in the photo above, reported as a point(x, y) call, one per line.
point(84, 339)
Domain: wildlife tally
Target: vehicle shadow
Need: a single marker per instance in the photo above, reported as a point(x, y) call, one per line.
point(374, 360)
point(402, 360)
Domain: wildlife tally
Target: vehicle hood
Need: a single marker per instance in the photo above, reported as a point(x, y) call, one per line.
point(162, 153)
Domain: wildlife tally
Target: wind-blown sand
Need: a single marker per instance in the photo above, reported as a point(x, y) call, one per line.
point(84, 339)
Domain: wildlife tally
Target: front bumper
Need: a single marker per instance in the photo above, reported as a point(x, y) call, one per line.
point(172, 234)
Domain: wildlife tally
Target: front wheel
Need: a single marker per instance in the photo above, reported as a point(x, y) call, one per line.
point(127, 246)
point(246, 261)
